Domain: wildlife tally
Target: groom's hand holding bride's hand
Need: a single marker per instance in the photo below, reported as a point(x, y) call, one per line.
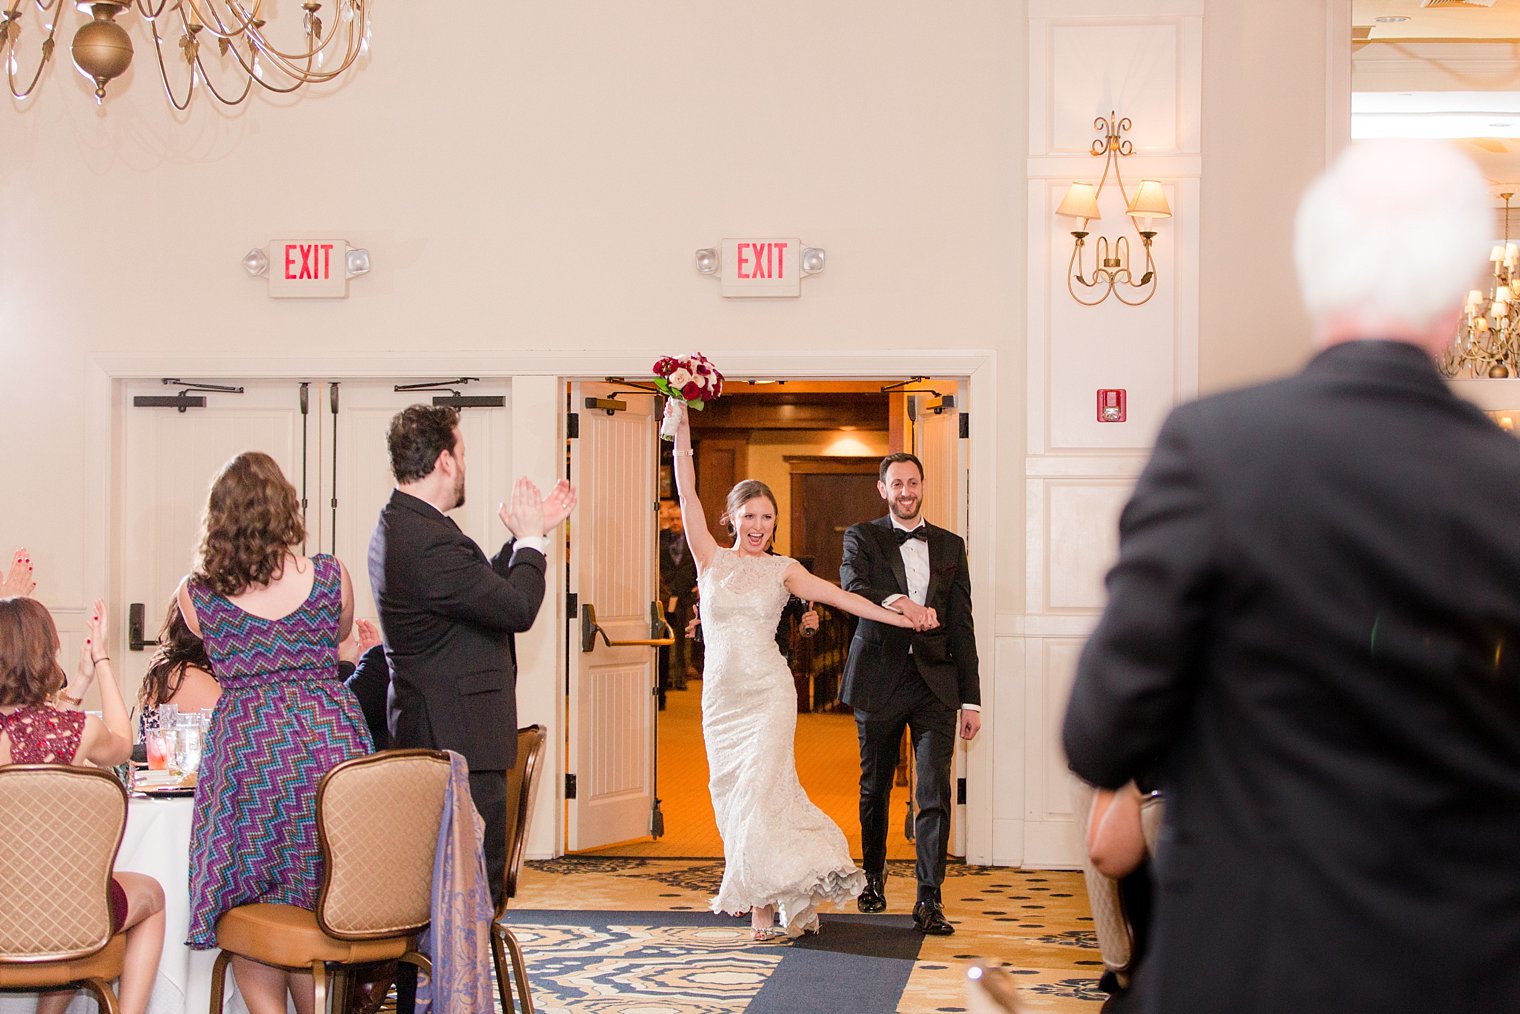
point(921, 618)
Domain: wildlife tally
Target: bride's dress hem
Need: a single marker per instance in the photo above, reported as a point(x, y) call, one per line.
point(798, 907)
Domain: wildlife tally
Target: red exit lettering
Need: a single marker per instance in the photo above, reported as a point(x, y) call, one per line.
point(315, 261)
point(762, 260)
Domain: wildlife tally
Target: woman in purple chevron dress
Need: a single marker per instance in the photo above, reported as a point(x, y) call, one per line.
point(272, 620)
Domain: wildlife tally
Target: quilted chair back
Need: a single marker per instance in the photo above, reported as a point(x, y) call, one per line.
point(377, 823)
point(1116, 940)
point(522, 780)
point(60, 829)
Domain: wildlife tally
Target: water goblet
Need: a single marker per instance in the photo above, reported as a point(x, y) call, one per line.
point(187, 746)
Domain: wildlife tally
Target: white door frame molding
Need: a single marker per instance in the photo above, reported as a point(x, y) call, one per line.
point(538, 377)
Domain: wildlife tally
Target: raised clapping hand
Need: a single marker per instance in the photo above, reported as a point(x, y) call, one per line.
point(362, 638)
point(559, 503)
point(18, 580)
point(530, 514)
point(94, 646)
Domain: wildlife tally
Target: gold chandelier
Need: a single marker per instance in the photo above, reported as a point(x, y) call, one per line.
point(1488, 337)
point(243, 54)
point(1111, 273)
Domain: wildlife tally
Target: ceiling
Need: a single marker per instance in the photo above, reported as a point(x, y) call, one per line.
point(1450, 71)
point(1449, 19)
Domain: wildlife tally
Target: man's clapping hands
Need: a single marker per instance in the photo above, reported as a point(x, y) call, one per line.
point(528, 513)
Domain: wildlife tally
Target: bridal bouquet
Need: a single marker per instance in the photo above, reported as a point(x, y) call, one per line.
point(693, 380)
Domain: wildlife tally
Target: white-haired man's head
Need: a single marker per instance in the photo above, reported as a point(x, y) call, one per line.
point(1390, 239)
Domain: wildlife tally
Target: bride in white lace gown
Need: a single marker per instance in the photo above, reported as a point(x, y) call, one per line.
point(781, 853)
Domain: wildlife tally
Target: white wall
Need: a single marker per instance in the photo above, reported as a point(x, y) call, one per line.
point(531, 181)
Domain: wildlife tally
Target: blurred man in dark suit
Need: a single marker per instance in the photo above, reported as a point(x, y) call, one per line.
point(678, 593)
point(1313, 624)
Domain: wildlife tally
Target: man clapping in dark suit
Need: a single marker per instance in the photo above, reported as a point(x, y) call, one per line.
point(918, 679)
point(449, 614)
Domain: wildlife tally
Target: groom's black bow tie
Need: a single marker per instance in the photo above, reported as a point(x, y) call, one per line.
point(921, 532)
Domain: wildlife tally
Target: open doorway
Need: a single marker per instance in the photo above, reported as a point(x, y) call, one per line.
point(817, 445)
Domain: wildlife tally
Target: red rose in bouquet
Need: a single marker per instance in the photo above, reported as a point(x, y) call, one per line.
point(693, 380)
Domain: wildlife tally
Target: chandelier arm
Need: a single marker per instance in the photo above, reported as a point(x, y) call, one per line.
point(163, 69)
point(252, 78)
point(150, 14)
point(211, 87)
point(283, 67)
point(211, 20)
point(290, 64)
point(10, 70)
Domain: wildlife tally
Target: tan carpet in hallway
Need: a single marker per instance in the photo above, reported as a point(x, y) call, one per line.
point(828, 764)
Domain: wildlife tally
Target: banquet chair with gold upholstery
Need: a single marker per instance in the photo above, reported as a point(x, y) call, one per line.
point(377, 829)
point(521, 781)
point(60, 829)
point(1116, 936)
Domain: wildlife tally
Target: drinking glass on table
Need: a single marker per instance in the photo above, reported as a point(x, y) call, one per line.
point(187, 745)
point(154, 743)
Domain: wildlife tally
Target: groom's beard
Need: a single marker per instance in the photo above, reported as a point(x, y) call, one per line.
point(458, 493)
point(901, 513)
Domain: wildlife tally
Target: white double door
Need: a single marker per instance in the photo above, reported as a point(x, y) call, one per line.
point(329, 438)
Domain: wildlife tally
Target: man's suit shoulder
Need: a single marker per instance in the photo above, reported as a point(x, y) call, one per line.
point(864, 529)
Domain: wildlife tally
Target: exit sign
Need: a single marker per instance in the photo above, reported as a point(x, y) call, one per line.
point(761, 267)
point(308, 268)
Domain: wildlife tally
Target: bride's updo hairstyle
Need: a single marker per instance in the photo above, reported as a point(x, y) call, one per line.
point(742, 494)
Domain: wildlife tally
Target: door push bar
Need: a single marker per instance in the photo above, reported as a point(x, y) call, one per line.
point(590, 628)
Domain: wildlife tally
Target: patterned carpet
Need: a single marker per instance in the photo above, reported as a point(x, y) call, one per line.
point(633, 936)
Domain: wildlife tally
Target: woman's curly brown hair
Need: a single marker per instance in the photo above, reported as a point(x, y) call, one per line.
point(252, 520)
point(178, 648)
point(29, 669)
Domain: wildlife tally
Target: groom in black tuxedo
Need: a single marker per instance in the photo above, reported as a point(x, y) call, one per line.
point(919, 679)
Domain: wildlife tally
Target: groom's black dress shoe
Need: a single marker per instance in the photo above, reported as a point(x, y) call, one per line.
point(929, 917)
point(873, 898)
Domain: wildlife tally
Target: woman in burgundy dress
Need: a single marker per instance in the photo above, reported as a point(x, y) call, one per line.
point(36, 730)
point(272, 620)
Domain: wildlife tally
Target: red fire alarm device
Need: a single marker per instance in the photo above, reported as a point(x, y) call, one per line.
point(1111, 404)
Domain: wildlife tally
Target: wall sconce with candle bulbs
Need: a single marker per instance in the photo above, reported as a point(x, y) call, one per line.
point(1112, 274)
point(247, 54)
point(1488, 337)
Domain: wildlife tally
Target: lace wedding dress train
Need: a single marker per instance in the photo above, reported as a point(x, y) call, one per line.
point(778, 848)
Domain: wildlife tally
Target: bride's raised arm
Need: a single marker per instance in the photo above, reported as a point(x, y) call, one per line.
point(804, 584)
point(693, 518)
